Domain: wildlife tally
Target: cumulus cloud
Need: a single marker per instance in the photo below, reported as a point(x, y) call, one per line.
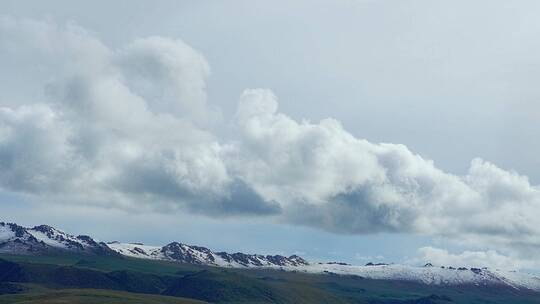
point(170, 74)
point(26, 164)
point(130, 127)
point(119, 127)
point(327, 178)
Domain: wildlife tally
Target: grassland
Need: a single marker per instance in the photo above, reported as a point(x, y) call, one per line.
point(41, 295)
point(93, 279)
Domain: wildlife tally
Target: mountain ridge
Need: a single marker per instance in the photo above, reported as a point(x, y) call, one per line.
point(191, 254)
point(47, 239)
point(44, 239)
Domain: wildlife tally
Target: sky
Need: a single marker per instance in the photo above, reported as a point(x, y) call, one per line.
point(350, 130)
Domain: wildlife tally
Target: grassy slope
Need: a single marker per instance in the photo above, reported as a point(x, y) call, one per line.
point(107, 263)
point(355, 289)
point(38, 294)
point(269, 286)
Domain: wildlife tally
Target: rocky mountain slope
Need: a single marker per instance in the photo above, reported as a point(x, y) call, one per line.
point(41, 239)
point(15, 239)
point(183, 253)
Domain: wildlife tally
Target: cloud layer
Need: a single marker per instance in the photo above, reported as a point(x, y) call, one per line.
point(325, 177)
point(125, 127)
point(130, 127)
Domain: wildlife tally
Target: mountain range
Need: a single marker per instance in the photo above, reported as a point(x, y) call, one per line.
point(43, 239)
point(16, 239)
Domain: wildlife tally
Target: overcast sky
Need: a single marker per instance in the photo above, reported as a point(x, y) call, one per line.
point(335, 129)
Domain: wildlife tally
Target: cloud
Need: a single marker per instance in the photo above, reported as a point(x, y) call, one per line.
point(130, 127)
point(325, 177)
point(122, 128)
point(26, 165)
point(169, 73)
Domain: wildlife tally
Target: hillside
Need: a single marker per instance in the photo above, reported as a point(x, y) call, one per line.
point(90, 277)
point(46, 240)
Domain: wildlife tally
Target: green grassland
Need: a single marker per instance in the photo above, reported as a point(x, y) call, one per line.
point(94, 279)
point(38, 294)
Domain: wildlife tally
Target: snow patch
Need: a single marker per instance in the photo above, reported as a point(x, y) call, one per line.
point(6, 233)
point(429, 275)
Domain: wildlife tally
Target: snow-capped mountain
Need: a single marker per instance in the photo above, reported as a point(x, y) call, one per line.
point(430, 275)
point(183, 253)
point(15, 239)
point(45, 239)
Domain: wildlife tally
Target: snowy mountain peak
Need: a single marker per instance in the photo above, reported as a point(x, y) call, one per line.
point(46, 229)
point(426, 274)
point(44, 239)
point(183, 253)
point(9, 231)
point(432, 275)
point(15, 239)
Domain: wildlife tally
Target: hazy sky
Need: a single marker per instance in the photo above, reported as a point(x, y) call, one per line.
point(335, 129)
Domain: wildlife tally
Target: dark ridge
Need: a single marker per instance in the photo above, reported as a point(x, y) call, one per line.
point(44, 228)
point(375, 264)
point(337, 263)
point(222, 287)
point(10, 288)
point(431, 299)
point(11, 272)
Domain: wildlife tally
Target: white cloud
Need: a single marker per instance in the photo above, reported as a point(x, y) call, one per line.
point(169, 74)
point(326, 178)
point(26, 164)
point(118, 127)
point(130, 127)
